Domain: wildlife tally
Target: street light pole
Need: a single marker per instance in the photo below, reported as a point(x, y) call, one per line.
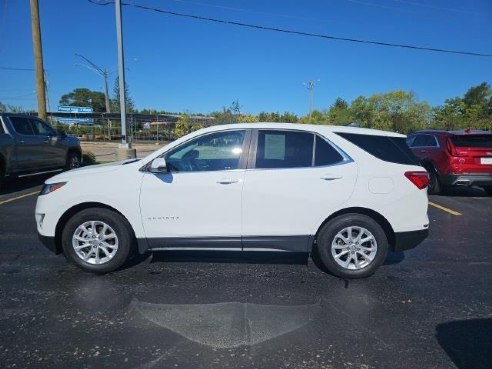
point(103, 73)
point(121, 71)
point(125, 150)
point(310, 86)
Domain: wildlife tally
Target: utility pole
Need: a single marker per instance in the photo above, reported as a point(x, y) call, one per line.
point(103, 73)
point(125, 149)
point(38, 59)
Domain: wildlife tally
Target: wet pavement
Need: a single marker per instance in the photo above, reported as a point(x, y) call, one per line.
point(430, 307)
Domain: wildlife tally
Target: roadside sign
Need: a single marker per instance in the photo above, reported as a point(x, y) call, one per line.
point(75, 109)
point(75, 120)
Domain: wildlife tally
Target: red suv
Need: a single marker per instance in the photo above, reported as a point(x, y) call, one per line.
point(454, 158)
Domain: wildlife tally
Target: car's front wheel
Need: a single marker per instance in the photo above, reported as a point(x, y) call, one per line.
point(352, 246)
point(73, 160)
point(97, 240)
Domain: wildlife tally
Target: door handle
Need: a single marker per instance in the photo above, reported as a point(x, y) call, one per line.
point(228, 181)
point(423, 151)
point(330, 177)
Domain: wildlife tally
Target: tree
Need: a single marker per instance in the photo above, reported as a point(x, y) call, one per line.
point(396, 111)
point(473, 110)
point(3, 108)
point(185, 125)
point(115, 102)
point(339, 113)
point(85, 97)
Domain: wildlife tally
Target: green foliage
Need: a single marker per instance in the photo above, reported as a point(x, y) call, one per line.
point(3, 108)
point(85, 97)
point(88, 158)
point(115, 102)
point(185, 125)
point(473, 110)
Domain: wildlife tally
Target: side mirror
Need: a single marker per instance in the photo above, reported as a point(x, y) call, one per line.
point(158, 165)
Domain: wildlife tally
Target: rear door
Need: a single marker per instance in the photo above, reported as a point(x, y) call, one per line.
point(293, 182)
point(425, 147)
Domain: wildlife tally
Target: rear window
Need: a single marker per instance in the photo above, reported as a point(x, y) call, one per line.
point(483, 141)
point(390, 149)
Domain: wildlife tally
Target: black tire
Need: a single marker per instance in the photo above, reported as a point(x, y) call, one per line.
point(73, 160)
point(328, 242)
point(434, 187)
point(118, 233)
point(2, 175)
point(488, 189)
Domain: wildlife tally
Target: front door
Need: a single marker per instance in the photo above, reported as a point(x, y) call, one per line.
point(199, 198)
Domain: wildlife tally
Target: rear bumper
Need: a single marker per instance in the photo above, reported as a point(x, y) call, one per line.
point(472, 179)
point(50, 243)
point(409, 240)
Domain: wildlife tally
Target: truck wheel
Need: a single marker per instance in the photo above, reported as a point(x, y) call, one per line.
point(352, 246)
point(97, 240)
point(2, 175)
point(73, 160)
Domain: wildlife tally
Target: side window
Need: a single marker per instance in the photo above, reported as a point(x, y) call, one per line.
point(22, 125)
point(2, 131)
point(41, 128)
point(419, 141)
point(325, 154)
point(424, 141)
point(216, 151)
point(284, 149)
point(411, 140)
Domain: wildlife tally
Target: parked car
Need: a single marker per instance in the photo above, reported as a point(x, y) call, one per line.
point(30, 146)
point(454, 158)
point(348, 193)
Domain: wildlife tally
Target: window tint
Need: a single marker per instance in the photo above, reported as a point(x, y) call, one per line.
point(284, 149)
point(483, 141)
point(41, 128)
point(217, 151)
point(391, 149)
point(22, 125)
point(424, 141)
point(325, 153)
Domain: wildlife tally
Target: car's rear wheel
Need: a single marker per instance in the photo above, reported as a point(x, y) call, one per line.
point(434, 187)
point(73, 160)
point(488, 189)
point(352, 246)
point(97, 240)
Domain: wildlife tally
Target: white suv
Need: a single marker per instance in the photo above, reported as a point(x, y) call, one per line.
point(348, 193)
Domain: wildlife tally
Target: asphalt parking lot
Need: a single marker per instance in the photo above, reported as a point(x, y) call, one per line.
point(430, 307)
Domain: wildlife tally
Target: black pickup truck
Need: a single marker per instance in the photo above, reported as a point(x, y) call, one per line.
point(30, 146)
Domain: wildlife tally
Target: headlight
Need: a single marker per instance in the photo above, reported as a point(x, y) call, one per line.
point(51, 187)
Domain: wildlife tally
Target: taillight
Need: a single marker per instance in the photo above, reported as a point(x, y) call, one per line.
point(419, 179)
point(452, 149)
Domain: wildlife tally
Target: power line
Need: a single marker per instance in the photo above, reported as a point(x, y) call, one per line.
point(22, 69)
point(299, 33)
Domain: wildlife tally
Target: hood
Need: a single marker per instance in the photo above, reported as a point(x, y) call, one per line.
point(91, 169)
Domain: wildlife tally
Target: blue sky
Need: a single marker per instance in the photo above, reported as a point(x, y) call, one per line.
point(183, 65)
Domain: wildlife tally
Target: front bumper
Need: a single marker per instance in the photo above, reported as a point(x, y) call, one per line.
point(471, 179)
point(409, 240)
